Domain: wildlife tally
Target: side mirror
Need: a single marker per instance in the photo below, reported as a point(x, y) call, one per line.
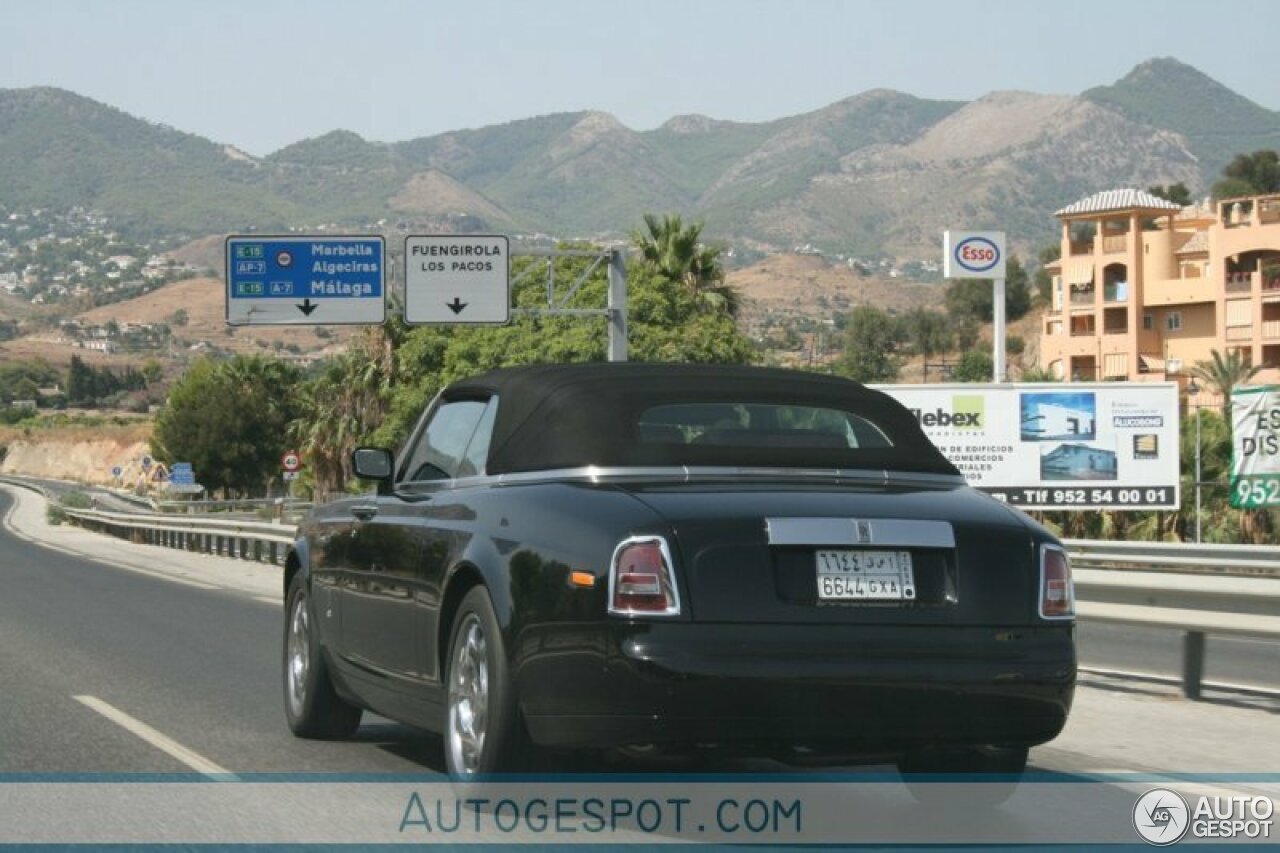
point(374, 463)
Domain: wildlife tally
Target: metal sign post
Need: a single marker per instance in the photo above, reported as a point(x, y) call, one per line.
point(980, 254)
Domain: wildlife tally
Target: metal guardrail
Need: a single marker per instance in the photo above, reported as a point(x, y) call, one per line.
point(249, 540)
point(1199, 589)
point(1195, 588)
point(1187, 557)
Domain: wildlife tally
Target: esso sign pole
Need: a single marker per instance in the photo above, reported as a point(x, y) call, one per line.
point(980, 254)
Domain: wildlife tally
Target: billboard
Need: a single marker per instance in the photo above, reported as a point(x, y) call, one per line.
point(1083, 445)
point(1255, 447)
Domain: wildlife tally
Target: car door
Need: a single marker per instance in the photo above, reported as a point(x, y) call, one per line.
point(384, 600)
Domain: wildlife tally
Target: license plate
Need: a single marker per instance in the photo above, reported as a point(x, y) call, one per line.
point(865, 576)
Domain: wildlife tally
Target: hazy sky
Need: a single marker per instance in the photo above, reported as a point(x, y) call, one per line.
point(261, 74)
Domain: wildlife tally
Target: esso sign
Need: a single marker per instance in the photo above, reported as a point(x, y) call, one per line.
point(977, 254)
point(973, 254)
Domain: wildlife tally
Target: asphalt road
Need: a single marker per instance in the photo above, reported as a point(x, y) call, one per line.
point(199, 665)
point(110, 671)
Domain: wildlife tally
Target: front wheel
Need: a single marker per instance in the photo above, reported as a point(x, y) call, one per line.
point(483, 732)
point(312, 707)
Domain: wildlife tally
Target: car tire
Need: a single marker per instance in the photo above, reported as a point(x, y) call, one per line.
point(483, 730)
point(311, 705)
point(964, 777)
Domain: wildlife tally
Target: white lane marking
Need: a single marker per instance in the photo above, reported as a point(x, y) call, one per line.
point(158, 739)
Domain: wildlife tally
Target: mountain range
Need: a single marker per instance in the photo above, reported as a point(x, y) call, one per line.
point(879, 173)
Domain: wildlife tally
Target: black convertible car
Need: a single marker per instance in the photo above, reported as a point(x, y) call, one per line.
point(666, 558)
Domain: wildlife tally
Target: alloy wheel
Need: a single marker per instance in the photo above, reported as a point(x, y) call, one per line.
point(468, 697)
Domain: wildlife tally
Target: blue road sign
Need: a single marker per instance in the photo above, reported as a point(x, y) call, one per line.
point(305, 280)
point(182, 474)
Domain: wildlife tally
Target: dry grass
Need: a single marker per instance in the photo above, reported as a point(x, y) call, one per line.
point(129, 433)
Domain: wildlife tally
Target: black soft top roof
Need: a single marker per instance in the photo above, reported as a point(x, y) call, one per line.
point(569, 416)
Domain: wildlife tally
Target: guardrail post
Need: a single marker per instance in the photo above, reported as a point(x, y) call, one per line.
point(1192, 663)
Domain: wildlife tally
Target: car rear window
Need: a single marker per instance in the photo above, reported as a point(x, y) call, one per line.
point(759, 425)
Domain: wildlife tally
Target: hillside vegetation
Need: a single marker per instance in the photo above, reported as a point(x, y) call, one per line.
point(879, 172)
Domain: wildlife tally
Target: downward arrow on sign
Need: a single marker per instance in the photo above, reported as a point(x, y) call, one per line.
point(308, 306)
point(456, 305)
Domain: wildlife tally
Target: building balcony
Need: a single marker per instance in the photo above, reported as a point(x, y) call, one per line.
point(1115, 244)
point(1271, 330)
point(1250, 212)
point(1081, 247)
point(1239, 333)
point(1116, 291)
point(1239, 282)
point(1082, 297)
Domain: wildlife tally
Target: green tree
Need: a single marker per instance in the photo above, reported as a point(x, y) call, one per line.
point(974, 366)
point(1250, 174)
point(229, 420)
point(675, 251)
point(1222, 373)
point(966, 329)
point(974, 297)
point(928, 332)
point(1038, 374)
point(667, 322)
point(79, 381)
point(870, 339)
point(344, 405)
point(1042, 282)
point(1176, 193)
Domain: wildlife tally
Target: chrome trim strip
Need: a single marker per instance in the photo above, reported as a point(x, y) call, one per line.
point(674, 609)
point(687, 474)
point(877, 532)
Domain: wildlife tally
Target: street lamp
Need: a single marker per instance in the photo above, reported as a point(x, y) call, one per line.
point(1194, 389)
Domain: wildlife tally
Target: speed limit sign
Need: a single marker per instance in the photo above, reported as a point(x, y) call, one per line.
point(290, 461)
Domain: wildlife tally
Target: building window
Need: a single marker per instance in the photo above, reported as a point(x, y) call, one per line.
point(1148, 322)
point(1173, 321)
point(1115, 365)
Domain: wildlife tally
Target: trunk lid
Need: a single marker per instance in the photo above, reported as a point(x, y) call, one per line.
point(750, 552)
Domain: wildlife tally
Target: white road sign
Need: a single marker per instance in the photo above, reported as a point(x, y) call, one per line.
point(457, 278)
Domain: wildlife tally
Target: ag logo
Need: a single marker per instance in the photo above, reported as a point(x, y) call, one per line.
point(1161, 817)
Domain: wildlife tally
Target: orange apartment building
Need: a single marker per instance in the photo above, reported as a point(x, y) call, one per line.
point(1146, 288)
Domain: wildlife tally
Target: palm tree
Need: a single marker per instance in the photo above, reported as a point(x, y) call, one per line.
point(1222, 373)
point(344, 405)
point(672, 249)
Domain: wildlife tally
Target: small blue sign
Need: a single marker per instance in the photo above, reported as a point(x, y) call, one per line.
point(307, 280)
point(116, 471)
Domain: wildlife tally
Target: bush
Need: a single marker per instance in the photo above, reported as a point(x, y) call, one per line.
point(1014, 345)
point(71, 500)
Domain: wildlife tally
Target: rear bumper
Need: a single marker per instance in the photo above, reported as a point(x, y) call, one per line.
point(872, 690)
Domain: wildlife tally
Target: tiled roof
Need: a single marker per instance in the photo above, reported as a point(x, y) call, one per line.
point(1199, 242)
point(1110, 200)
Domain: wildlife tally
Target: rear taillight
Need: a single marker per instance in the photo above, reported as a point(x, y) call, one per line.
point(1057, 595)
point(641, 579)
